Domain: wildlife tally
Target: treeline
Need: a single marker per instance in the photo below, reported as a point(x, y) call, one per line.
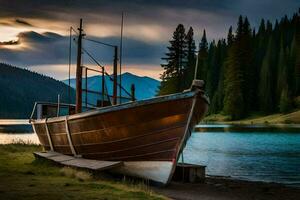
point(250, 71)
point(21, 88)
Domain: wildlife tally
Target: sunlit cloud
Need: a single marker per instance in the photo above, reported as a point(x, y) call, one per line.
point(39, 30)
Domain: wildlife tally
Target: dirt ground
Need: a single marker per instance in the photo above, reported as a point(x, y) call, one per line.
point(228, 189)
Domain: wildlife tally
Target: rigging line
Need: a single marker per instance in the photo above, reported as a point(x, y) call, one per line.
point(102, 69)
point(110, 78)
point(97, 64)
point(74, 30)
point(105, 85)
point(103, 43)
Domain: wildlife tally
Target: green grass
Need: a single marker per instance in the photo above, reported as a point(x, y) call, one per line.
point(23, 177)
point(290, 118)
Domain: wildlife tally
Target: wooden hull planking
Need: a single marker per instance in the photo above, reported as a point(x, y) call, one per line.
point(147, 135)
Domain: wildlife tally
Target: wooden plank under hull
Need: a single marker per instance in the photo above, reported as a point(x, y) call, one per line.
point(77, 162)
point(150, 131)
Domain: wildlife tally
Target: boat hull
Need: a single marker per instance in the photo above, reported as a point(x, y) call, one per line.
point(146, 135)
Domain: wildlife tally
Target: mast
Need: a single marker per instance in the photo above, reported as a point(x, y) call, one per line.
point(115, 75)
point(121, 52)
point(70, 60)
point(79, 72)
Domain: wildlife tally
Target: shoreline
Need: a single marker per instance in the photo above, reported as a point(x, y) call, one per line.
point(227, 127)
point(271, 119)
point(28, 175)
point(220, 188)
point(237, 179)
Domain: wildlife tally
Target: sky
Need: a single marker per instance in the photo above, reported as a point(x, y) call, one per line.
point(34, 34)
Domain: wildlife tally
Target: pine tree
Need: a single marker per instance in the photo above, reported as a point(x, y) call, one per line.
point(202, 58)
point(249, 71)
point(214, 76)
point(292, 66)
point(285, 104)
point(172, 77)
point(211, 69)
point(233, 99)
point(297, 50)
point(247, 65)
point(191, 58)
point(230, 37)
point(282, 71)
point(266, 85)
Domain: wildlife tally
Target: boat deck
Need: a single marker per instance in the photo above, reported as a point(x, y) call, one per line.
point(77, 162)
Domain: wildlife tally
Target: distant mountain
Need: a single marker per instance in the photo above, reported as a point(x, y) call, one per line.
point(145, 87)
point(20, 88)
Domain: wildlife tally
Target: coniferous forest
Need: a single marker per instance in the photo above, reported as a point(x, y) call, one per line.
point(251, 71)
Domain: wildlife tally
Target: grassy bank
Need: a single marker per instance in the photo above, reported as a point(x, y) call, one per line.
point(23, 177)
point(290, 118)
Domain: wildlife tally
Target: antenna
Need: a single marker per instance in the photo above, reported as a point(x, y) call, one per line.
point(121, 51)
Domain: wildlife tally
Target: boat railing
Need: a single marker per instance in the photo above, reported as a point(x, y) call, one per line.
point(51, 109)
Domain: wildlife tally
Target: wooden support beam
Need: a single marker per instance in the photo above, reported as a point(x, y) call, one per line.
point(48, 135)
point(69, 137)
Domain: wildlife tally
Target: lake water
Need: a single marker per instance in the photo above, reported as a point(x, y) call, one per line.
point(256, 156)
point(270, 157)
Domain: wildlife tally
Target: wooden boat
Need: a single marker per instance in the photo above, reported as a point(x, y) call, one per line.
point(147, 136)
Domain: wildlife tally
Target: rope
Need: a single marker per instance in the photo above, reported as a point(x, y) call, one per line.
point(109, 76)
point(89, 55)
point(98, 42)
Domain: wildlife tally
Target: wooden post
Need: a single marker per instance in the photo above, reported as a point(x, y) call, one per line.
point(103, 87)
point(115, 75)
point(79, 72)
point(58, 105)
point(69, 137)
point(132, 92)
point(49, 136)
point(86, 88)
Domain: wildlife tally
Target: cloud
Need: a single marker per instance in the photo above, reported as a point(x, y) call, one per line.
point(52, 48)
point(47, 53)
point(11, 42)
point(41, 27)
point(22, 22)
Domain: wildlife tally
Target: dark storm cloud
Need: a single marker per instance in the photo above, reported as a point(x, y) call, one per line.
point(49, 8)
point(52, 48)
point(139, 47)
